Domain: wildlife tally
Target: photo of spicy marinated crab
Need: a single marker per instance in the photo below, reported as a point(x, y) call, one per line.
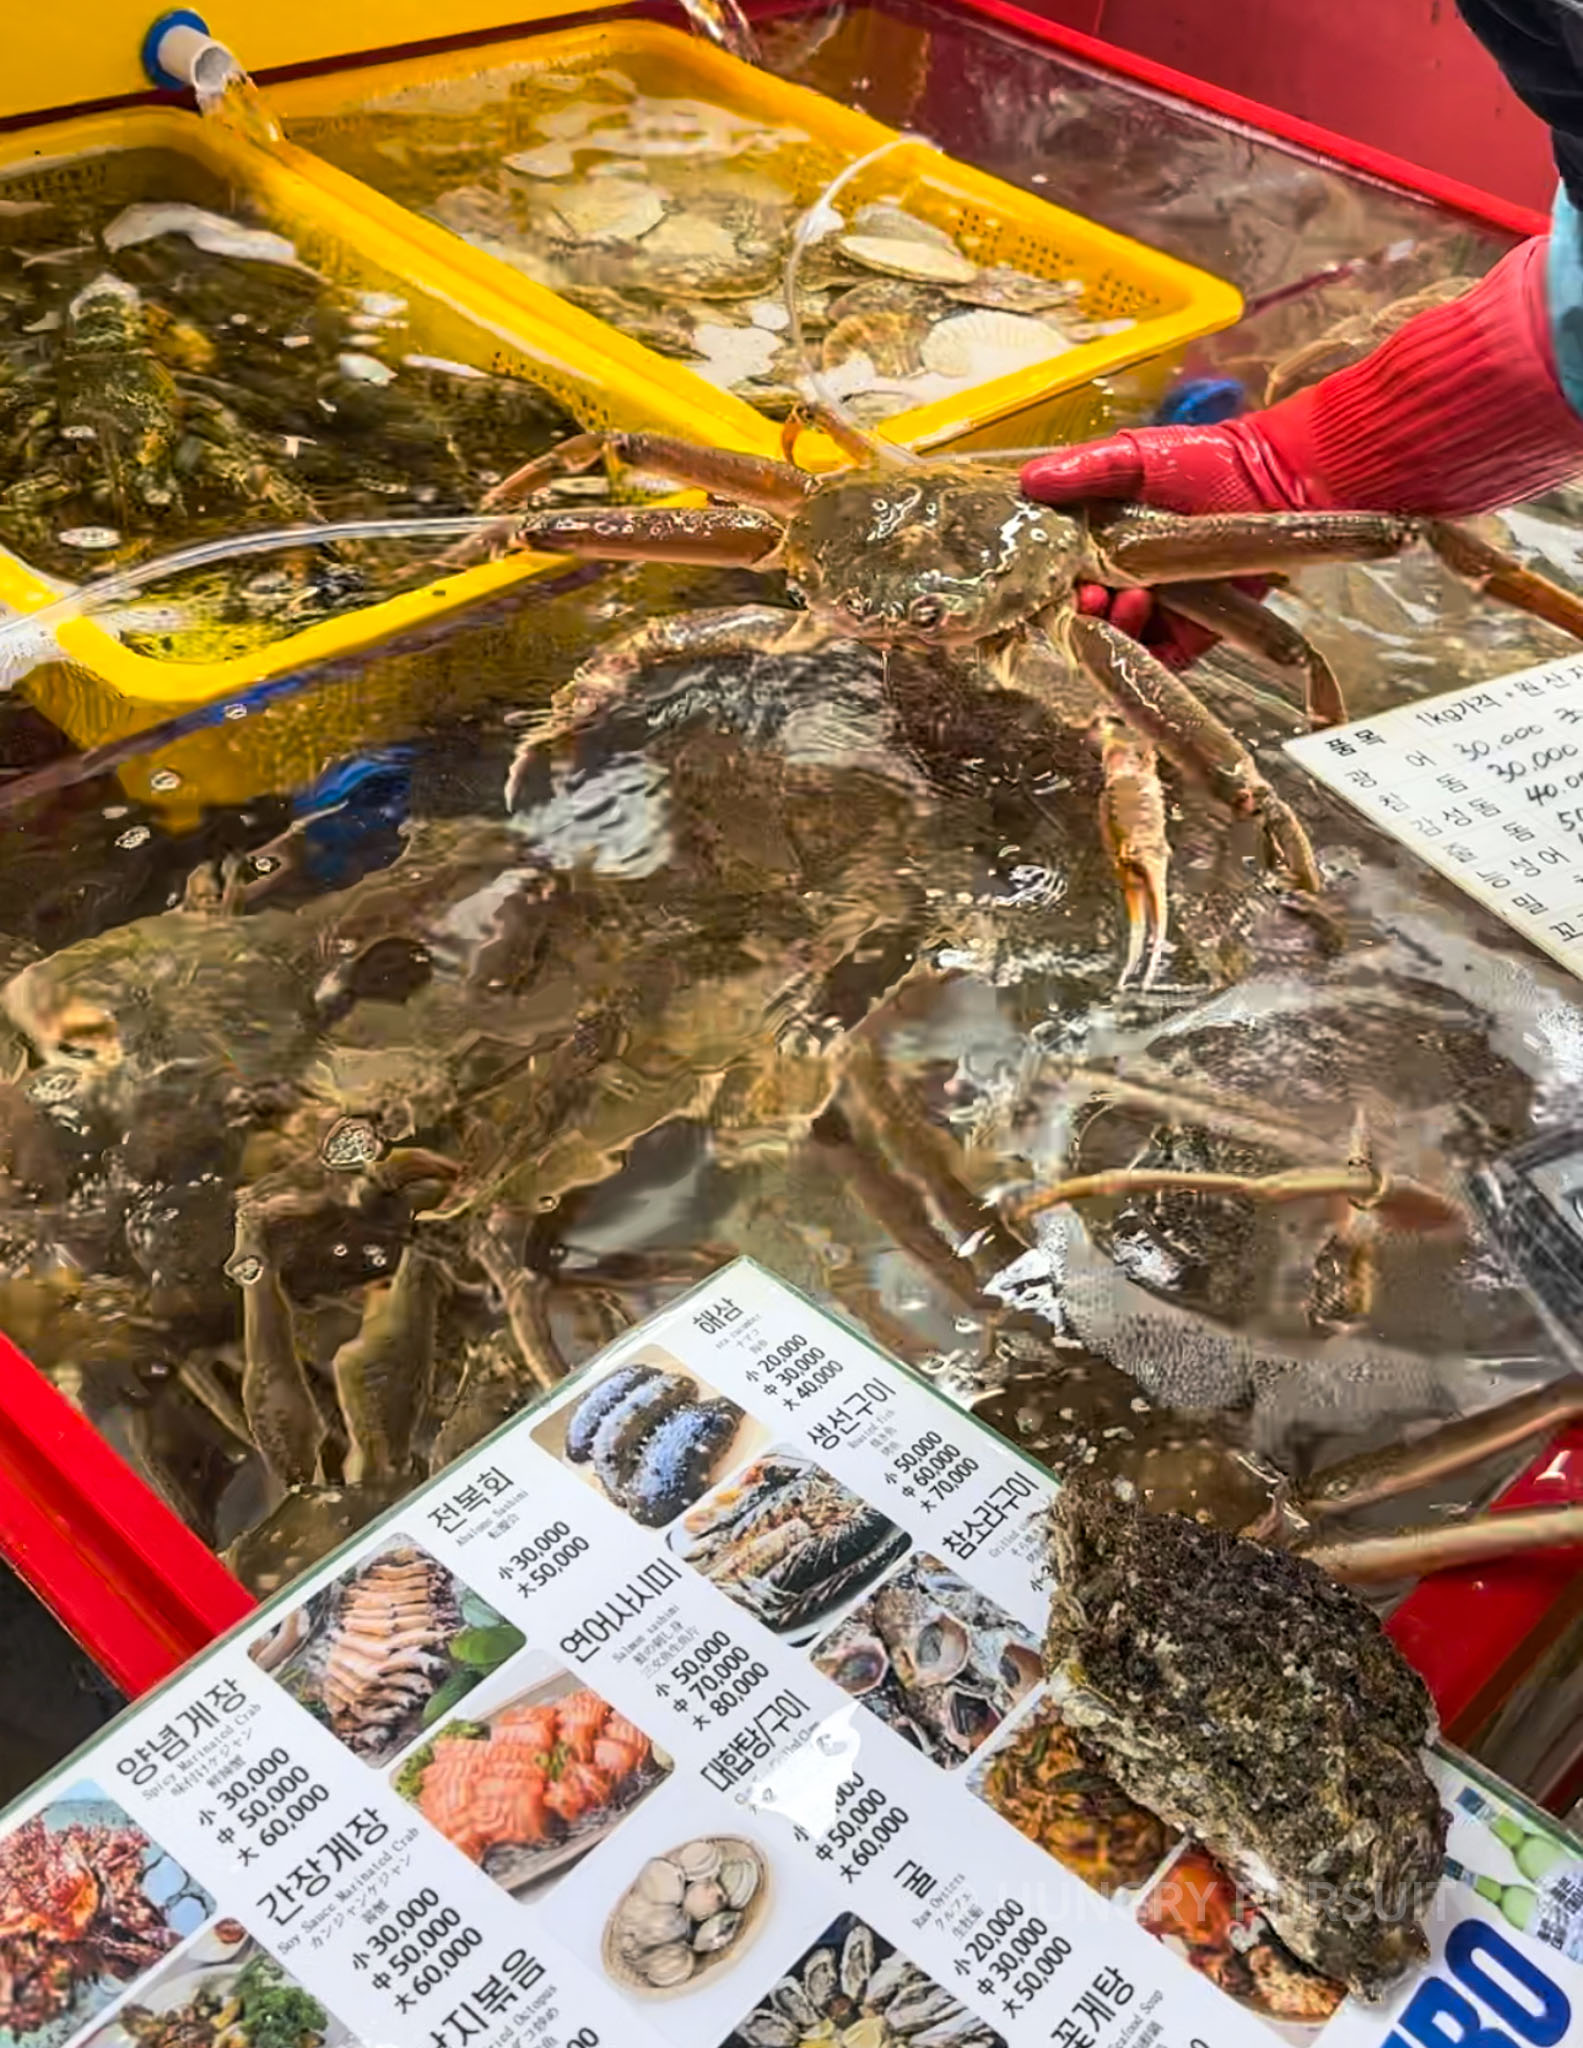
point(649, 1436)
point(1197, 1911)
point(533, 1784)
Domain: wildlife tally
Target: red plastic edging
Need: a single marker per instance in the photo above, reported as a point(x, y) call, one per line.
point(1307, 135)
point(131, 1582)
point(1472, 1632)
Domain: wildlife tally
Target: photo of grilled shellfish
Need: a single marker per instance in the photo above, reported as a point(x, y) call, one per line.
point(789, 1543)
point(687, 1914)
point(530, 1786)
point(386, 1650)
point(854, 1988)
point(651, 1437)
point(1197, 1911)
point(934, 1658)
point(1051, 1790)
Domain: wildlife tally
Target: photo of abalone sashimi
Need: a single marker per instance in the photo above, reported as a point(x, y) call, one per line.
point(853, 1986)
point(688, 1914)
point(788, 1542)
point(531, 1786)
point(386, 1650)
point(934, 1658)
point(1197, 1911)
point(1051, 1790)
point(88, 1904)
point(650, 1436)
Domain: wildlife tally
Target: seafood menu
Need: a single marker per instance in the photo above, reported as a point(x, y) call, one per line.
point(702, 1707)
point(1486, 785)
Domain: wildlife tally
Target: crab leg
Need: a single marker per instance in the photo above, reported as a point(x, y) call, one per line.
point(1166, 711)
point(526, 1298)
point(1439, 1546)
point(283, 1419)
point(1132, 818)
point(1408, 1203)
point(746, 479)
point(1382, 1475)
point(382, 1374)
point(731, 632)
point(1243, 622)
point(723, 536)
point(1156, 549)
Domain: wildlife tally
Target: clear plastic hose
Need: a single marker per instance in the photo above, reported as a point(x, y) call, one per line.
point(815, 224)
point(125, 583)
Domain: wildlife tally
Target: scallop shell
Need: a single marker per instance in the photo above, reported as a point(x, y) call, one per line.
point(986, 344)
point(739, 1880)
point(896, 224)
point(717, 1932)
point(669, 1966)
point(549, 160)
point(619, 210)
point(699, 1859)
point(661, 1881)
point(891, 256)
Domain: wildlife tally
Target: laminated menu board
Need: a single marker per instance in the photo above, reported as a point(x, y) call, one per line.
point(1486, 784)
point(699, 1708)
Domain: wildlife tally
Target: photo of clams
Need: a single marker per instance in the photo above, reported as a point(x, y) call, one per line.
point(788, 1543)
point(649, 1436)
point(854, 1987)
point(1197, 1911)
point(386, 1650)
point(690, 1913)
point(934, 1658)
point(527, 1787)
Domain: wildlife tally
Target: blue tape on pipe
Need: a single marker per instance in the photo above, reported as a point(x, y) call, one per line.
point(153, 70)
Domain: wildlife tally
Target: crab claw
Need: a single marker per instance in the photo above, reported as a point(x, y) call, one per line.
point(1288, 843)
point(1132, 818)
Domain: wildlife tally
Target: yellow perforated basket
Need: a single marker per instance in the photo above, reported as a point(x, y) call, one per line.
point(334, 123)
point(104, 688)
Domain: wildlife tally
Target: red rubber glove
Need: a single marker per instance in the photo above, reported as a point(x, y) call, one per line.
point(1459, 412)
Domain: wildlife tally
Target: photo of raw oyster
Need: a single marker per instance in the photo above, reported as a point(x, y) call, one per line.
point(651, 1437)
point(1051, 1790)
point(87, 1903)
point(1254, 1703)
point(686, 1915)
point(1197, 1912)
point(854, 1986)
point(386, 1650)
point(528, 1788)
point(933, 1658)
point(788, 1543)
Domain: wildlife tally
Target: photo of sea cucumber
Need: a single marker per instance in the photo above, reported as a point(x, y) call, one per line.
point(386, 1650)
point(88, 1903)
point(528, 1787)
point(650, 1436)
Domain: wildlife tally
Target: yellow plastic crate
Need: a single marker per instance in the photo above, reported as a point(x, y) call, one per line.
point(596, 374)
point(1171, 303)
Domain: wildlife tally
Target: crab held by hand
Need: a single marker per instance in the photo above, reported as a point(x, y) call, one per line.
point(948, 557)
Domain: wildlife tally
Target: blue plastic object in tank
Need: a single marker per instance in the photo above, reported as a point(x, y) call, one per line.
point(1201, 402)
point(153, 70)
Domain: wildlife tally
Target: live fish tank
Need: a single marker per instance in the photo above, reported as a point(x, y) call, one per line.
point(343, 1118)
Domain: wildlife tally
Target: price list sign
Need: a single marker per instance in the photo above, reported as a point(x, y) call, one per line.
point(1486, 785)
point(701, 1707)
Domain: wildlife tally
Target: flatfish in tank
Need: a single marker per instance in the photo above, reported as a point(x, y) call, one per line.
point(173, 371)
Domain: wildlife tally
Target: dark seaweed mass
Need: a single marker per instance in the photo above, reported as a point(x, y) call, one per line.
point(1243, 1696)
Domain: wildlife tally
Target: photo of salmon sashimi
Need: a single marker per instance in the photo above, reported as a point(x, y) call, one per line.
point(534, 1784)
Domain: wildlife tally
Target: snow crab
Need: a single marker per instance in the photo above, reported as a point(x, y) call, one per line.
point(948, 557)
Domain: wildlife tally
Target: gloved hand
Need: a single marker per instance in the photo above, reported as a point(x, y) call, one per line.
point(1459, 412)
